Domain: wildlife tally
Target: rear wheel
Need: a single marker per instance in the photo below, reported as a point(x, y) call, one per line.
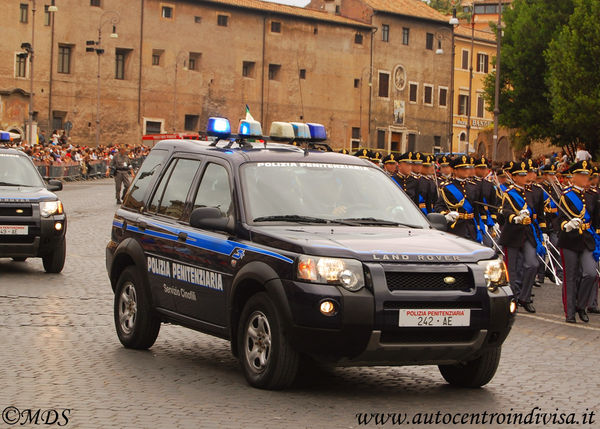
point(475, 373)
point(55, 260)
point(135, 320)
point(266, 357)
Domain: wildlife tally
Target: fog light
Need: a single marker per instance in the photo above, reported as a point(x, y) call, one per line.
point(58, 226)
point(327, 307)
point(512, 307)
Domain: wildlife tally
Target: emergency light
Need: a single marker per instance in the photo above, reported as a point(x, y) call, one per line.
point(282, 131)
point(318, 133)
point(218, 127)
point(250, 128)
point(301, 131)
point(4, 136)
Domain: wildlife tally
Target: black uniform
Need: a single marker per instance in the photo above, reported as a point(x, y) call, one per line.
point(409, 184)
point(522, 241)
point(577, 249)
point(468, 224)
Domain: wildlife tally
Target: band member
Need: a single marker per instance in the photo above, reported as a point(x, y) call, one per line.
point(521, 235)
point(458, 199)
point(390, 164)
point(579, 243)
point(488, 201)
point(445, 168)
point(404, 177)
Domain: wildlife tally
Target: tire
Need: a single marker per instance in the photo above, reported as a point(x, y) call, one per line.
point(265, 355)
point(136, 322)
point(475, 373)
point(55, 261)
point(20, 259)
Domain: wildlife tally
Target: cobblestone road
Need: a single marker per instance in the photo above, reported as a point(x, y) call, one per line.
point(58, 349)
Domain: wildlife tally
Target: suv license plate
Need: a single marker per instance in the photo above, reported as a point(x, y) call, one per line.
point(14, 229)
point(432, 317)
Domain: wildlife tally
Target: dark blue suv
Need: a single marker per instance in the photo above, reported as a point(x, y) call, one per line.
point(296, 254)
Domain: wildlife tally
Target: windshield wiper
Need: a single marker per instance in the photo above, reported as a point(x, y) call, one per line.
point(298, 218)
point(9, 184)
point(374, 221)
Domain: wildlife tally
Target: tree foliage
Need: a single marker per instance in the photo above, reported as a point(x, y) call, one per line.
point(529, 27)
point(573, 76)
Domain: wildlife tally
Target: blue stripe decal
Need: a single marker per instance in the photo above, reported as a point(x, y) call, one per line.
point(205, 242)
point(117, 224)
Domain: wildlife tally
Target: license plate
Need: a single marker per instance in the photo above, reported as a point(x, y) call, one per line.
point(432, 317)
point(14, 229)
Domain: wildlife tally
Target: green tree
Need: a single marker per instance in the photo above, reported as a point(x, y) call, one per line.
point(573, 75)
point(529, 27)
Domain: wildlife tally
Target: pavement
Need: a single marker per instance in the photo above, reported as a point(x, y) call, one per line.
point(60, 356)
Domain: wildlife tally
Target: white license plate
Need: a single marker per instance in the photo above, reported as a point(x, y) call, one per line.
point(432, 317)
point(14, 229)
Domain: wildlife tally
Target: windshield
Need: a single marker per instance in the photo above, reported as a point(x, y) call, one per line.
point(16, 170)
point(319, 193)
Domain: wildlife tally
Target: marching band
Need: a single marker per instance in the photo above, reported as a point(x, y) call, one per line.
point(544, 222)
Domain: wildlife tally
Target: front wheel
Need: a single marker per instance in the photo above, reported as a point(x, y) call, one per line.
point(136, 323)
point(55, 260)
point(266, 357)
point(475, 373)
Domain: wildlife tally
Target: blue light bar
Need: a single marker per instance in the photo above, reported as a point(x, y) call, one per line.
point(218, 127)
point(317, 132)
point(301, 131)
point(250, 128)
point(4, 136)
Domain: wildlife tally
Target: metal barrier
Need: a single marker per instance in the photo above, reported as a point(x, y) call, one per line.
point(70, 171)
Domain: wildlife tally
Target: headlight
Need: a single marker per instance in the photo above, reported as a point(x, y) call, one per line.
point(49, 208)
point(495, 273)
point(343, 272)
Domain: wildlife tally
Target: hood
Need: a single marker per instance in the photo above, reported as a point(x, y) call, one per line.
point(27, 194)
point(373, 244)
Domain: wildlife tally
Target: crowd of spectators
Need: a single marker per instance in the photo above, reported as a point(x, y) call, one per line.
point(59, 151)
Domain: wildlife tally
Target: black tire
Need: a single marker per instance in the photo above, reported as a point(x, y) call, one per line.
point(280, 364)
point(19, 259)
point(55, 260)
point(475, 373)
point(140, 325)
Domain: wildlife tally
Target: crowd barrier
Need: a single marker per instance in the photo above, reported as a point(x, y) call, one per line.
point(71, 171)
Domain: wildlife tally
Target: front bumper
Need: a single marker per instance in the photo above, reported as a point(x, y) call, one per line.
point(365, 330)
point(41, 240)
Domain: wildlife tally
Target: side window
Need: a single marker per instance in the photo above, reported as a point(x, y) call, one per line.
point(160, 190)
point(214, 189)
point(149, 168)
point(171, 200)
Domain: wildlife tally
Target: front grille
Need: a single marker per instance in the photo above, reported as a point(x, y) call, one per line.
point(428, 281)
point(429, 335)
point(15, 210)
point(17, 239)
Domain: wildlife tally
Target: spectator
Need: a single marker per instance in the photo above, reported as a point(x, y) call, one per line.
point(582, 154)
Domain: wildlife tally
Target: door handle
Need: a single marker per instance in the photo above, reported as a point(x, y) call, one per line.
point(182, 236)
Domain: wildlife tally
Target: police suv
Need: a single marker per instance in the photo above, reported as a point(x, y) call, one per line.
point(32, 219)
point(297, 254)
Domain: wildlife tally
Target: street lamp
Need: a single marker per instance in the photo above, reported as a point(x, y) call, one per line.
point(439, 51)
point(108, 17)
point(469, 101)
point(181, 58)
point(497, 83)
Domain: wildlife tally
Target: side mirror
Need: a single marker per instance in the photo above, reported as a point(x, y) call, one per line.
point(54, 185)
point(209, 218)
point(438, 221)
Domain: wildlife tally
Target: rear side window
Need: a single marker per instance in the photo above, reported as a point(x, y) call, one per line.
point(214, 189)
point(148, 170)
point(169, 199)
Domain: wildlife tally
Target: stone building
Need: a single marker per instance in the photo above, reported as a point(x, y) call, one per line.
point(411, 78)
point(175, 63)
